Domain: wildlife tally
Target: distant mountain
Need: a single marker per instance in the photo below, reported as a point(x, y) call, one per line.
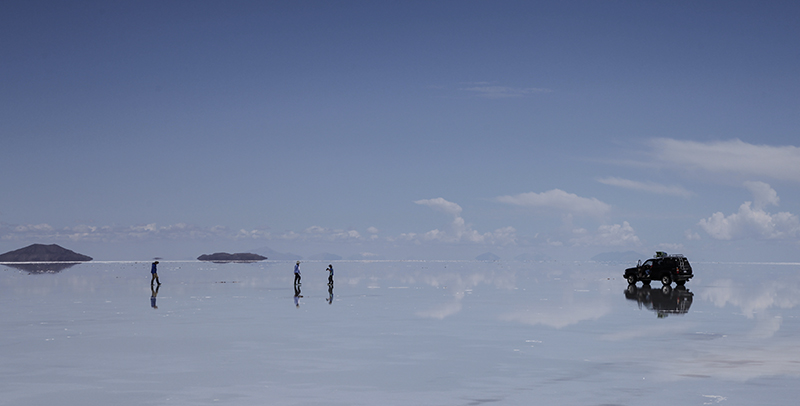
point(225, 257)
point(627, 256)
point(366, 256)
point(488, 256)
point(277, 256)
point(43, 253)
point(533, 257)
point(325, 256)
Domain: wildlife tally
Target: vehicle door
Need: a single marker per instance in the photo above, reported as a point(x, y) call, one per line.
point(647, 268)
point(658, 269)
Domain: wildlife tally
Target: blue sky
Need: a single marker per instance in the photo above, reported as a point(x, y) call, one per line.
point(401, 129)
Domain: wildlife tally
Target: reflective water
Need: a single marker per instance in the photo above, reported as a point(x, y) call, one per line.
point(397, 333)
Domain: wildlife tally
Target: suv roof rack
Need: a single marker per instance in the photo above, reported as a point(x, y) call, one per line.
point(662, 254)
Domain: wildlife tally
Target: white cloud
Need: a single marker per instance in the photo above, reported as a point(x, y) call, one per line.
point(752, 221)
point(152, 231)
point(607, 235)
point(490, 91)
point(505, 235)
point(734, 156)
point(763, 194)
point(316, 230)
point(458, 230)
point(442, 205)
point(649, 187)
point(251, 234)
point(83, 232)
point(372, 230)
point(749, 222)
point(317, 233)
point(559, 200)
point(33, 228)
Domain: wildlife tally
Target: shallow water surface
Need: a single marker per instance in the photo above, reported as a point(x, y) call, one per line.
point(397, 333)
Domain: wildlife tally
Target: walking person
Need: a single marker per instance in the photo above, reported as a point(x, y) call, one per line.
point(330, 274)
point(297, 273)
point(154, 273)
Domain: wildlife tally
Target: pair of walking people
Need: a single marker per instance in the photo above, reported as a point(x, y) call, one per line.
point(297, 273)
point(297, 284)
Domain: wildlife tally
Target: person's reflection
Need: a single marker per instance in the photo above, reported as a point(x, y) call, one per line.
point(330, 284)
point(153, 294)
point(297, 295)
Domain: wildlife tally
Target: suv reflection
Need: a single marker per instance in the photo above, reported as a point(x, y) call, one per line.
point(664, 301)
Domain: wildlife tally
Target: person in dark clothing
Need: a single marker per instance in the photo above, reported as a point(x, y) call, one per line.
point(154, 273)
point(297, 273)
point(330, 274)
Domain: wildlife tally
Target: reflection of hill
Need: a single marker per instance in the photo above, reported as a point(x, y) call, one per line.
point(664, 301)
point(43, 267)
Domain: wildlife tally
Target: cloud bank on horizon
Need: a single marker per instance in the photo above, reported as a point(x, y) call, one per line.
point(752, 221)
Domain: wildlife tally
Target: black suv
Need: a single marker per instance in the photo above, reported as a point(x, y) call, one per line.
point(662, 267)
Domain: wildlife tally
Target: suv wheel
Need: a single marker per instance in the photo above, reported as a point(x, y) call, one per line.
point(666, 280)
point(631, 280)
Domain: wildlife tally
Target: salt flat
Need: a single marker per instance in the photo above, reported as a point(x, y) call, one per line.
point(398, 333)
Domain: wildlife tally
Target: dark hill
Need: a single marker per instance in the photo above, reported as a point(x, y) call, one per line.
point(43, 253)
point(225, 257)
point(487, 256)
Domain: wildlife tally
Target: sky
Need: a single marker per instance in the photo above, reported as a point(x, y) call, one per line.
point(401, 129)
